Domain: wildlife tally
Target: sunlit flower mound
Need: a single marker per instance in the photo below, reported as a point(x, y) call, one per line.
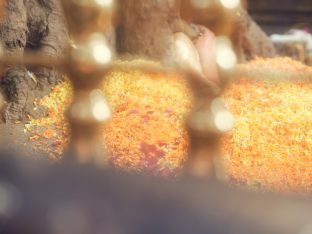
point(146, 132)
point(270, 146)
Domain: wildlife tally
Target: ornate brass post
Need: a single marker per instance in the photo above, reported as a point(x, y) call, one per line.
point(210, 118)
point(86, 65)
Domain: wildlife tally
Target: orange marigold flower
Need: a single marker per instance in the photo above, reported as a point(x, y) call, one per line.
point(146, 132)
point(270, 146)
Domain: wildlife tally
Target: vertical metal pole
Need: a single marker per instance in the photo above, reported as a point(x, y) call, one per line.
point(87, 63)
point(209, 118)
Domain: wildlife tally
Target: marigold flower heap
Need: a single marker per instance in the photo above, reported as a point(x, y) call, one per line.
point(146, 132)
point(270, 146)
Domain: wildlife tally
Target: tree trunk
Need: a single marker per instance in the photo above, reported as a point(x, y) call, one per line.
point(147, 27)
point(2, 3)
point(250, 40)
point(37, 26)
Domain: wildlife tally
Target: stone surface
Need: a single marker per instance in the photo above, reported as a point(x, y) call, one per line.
point(37, 26)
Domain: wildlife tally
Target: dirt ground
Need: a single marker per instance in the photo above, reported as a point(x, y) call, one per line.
point(15, 140)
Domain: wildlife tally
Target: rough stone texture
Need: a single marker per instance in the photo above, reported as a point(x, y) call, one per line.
point(295, 51)
point(250, 40)
point(37, 26)
point(2, 3)
point(147, 27)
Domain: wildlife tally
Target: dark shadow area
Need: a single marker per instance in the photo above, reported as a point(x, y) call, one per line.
point(37, 197)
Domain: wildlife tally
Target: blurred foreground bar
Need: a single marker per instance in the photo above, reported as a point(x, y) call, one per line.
point(40, 198)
